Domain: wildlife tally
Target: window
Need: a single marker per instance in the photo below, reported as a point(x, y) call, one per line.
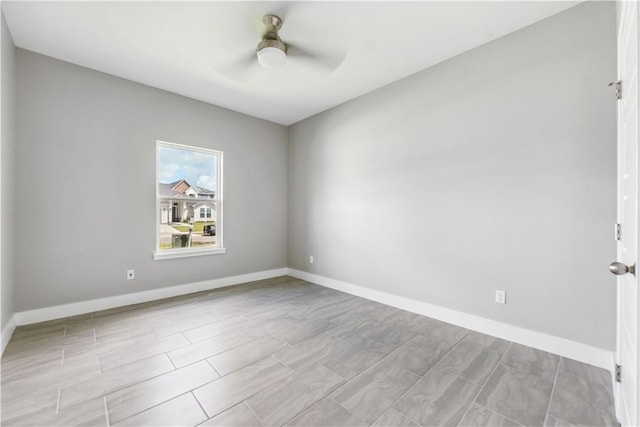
point(188, 201)
point(205, 213)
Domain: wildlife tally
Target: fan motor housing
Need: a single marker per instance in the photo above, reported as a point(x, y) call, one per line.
point(270, 38)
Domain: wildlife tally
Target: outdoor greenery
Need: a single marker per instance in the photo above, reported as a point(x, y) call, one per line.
point(196, 244)
point(197, 227)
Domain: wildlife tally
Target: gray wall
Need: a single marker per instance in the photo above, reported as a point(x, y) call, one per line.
point(8, 178)
point(492, 170)
point(85, 175)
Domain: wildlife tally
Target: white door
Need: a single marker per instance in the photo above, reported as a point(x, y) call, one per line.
point(627, 343)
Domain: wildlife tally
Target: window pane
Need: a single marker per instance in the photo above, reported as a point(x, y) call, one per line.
point(187, 197)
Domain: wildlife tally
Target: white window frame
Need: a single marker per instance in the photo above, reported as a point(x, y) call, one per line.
point(191, 252)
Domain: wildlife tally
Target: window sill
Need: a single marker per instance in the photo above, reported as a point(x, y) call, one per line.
point(187, 253)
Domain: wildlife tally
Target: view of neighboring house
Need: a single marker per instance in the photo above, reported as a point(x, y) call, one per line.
point(183, 202)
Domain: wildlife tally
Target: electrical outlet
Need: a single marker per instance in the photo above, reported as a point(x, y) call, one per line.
point(311, 259)
point(501, 296)
point(131, 274)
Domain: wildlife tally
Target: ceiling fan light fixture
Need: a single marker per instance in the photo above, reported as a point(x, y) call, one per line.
point(271, 51)
point(272, 57)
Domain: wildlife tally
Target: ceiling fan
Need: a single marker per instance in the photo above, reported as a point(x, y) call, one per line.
point(274, 53)
point(271, 51)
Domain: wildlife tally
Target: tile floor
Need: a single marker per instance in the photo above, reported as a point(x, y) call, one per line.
point(286, 352)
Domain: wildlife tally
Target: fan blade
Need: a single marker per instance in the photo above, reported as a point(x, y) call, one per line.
point(239, 68)
point(327, 61)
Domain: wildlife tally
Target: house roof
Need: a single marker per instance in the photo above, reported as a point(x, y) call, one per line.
point(167, 191)
point(205, 204)
point(202, 190)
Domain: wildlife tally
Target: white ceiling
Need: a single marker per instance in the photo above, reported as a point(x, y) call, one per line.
point(205, 50)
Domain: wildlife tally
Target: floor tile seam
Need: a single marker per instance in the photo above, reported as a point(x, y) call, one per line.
point(220, 373)
point(482, 386)
point(30, 413)
point(580, 377)
point(266, 356)
point(255, 391)
point(131, 362)
point(296, 343)
point(138, 337)
point(453, 347)
point(321, 362)
point(175, 368)
point(183, 332)
point(587, 367)
point(201, 339)
point(106, 410)
point(288, 298)
point(179, 333)
point(120, 388)
point(191, 364)
point(574, 424)
point(121, 343)
point(115, 389)
point(431, 324)
point(155, 405)
point(420, 377)
point(87, 355)
point(119, 313)
point(8, 371)
point(289, 346)
point(497, 413)
point(522, 371)
point(38, 334)
point(208, 355)
point(553, 389)
point(400, 412)
point(58, 401)
point(277, 338)
point(21, 343)
point(206, 416)
point(23, 395)
point(348, 411)
point(458, 372)
point(385, 413)
point(312, 404)
point(243, 402)
point(285, 364)
point(348, 381)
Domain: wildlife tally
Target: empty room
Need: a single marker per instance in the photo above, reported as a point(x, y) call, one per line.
point(323, 213)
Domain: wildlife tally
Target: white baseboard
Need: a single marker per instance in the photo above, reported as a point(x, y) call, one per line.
point(6, 333)
point(73, 309)
point(552, 344)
